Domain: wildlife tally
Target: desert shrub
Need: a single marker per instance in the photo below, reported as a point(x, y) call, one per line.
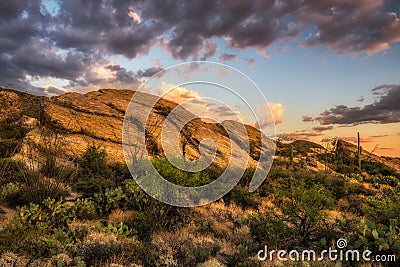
point(343, 168)
point(353, 204)
point(94, 161)
point(99, 248)
point(297, 217)
point(278, 172)
point(120, 173)
point(85, 209)
point(338, 186)
point(378, 168)
point(96, 174)
point(380, 179)
point(304, 206)
point(242, 197)
point(11, 134)
point(35, 188)
point(203, 251)
point(90, 185)
point(144, 224)
point(7, 190)
point(359, 188)
point(12, 259)
point(40, 247)
point(269, 228)
point(191, 252)
point(39, 231)
point(247, 177)
point(140, 253)
point(382, 210)
point(177, 176)
point(150, 214)
point(12, 170)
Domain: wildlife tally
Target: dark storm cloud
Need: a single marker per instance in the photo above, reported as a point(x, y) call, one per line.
point(386, 109)
point(123, 75)
point(226, 56)
point(12, 9)
point(351, 26)
point(80, 36)
point(54, 90)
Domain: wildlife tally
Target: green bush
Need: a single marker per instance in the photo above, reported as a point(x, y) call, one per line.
point(177, 176)
point(269, 228)
point(297, 219)
point(382, 210)
point(94, 162)
point(38, 231)
point(242, 197)
point(85, 209)
point(90, 185)
point(378, 168)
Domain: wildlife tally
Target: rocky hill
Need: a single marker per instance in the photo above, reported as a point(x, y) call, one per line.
point(96, 118)
point(69, 203)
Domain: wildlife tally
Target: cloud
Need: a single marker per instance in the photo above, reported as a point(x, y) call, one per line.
point(322, 128)
point(277, 111)
point(249, 61)
point(386, 109)
point(177, 94)
point(386, 148)
point(83, 35)
point(226, 56)
point(210, 48)
point(149, 72)
point(269, 113)
point(134, 16)
point(307, 118)
point(54, 90)
point(379, 136)
point(292, 136)
point(351, 26)
point(195, 103)
point(354, 139)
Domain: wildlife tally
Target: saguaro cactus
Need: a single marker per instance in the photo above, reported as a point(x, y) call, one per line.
point(359, 150)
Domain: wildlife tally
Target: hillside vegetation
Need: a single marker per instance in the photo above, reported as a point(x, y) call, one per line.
point(67, 198)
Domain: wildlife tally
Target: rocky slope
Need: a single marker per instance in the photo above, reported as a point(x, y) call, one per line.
point(96, 118)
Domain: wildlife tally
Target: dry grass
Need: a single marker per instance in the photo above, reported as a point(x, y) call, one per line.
point(118, 215)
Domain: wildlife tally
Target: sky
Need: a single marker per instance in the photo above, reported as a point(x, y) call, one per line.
point(327, 68)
